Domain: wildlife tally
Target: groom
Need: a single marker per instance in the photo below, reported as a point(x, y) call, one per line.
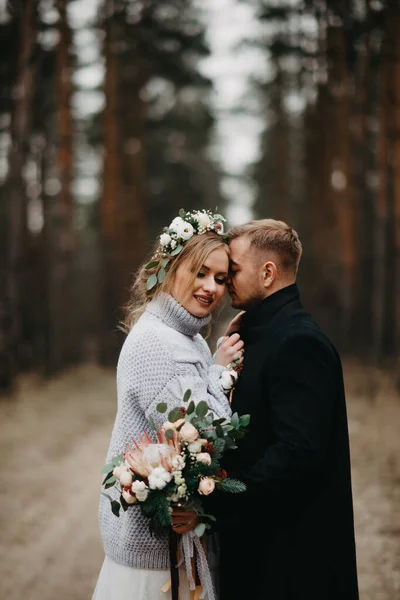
point(291, 535)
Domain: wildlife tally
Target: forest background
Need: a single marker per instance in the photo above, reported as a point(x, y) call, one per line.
point(114, 114)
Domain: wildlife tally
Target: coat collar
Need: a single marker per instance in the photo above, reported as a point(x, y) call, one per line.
point(265, 311)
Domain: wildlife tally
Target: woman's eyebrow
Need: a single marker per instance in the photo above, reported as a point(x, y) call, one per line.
point(220, 273)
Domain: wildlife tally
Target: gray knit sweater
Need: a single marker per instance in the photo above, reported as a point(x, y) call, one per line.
point(162, 357)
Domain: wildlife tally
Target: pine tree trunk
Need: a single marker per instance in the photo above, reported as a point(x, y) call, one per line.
point(15, 202)
point(59, 228)
point(109, 205)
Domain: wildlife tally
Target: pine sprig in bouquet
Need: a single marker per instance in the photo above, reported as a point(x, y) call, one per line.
point(178, 467)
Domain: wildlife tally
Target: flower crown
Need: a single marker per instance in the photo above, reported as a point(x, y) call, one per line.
point(173, 238)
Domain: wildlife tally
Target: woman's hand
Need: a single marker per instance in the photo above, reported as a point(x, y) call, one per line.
point(236, 323)
point(183, 521)
point(230, 349)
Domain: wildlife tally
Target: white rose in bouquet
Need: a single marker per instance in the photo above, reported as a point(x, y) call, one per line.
point(126, 478)
point(204, 457)
point(195, 447)
point(169, 425)
point(188, 433)
point(127, 496)
point(158, 478)
point(206, 486)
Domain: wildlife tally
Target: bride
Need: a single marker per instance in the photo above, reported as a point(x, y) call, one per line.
point(164, 354)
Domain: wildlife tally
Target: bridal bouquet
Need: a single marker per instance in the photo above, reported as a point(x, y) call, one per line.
point(178, 467)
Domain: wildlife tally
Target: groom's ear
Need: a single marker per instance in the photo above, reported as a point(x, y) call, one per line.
point(269, 273)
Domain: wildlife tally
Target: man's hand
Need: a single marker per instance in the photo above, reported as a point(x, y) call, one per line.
point(183, 521)
point(235, 324)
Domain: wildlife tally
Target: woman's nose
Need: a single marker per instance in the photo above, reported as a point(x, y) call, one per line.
point(209, 285)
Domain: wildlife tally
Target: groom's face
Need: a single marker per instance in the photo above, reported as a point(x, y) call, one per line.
point(245, 276)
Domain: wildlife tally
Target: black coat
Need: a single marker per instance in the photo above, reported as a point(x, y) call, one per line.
point(291, 535)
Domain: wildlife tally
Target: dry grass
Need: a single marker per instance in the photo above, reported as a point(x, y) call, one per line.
point(54, 437)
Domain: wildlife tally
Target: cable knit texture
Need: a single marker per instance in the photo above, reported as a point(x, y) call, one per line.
point(162, 357)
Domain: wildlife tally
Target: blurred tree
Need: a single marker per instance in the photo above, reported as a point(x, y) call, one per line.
point(17, 99)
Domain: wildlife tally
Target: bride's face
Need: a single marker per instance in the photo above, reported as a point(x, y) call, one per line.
point(208, 287)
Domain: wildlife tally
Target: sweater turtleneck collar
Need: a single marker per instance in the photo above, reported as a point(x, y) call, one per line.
point(173, 314)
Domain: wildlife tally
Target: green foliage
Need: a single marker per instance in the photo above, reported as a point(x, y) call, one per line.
point(151, 282)
point(233, 486)
point(162, 407)
point(187, 395)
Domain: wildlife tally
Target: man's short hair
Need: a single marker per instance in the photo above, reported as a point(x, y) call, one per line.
point(273, 236)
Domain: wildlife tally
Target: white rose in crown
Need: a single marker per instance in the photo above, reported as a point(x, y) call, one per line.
point(206, 486)
point(176, 224)
point(195, 447)
point(158, 478)
point(127, 496)
point(188, 433)
point(184, 231)
point(204, 458)
point(203, 220)
point(165, 239)
point(140, 489)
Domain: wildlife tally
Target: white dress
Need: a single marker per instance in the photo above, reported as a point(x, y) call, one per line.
point(119, 582)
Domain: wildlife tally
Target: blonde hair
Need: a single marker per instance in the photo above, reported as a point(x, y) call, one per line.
point(274, 236)
point(195, 252)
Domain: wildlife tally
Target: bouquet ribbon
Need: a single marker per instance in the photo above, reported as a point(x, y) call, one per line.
point(192, 548)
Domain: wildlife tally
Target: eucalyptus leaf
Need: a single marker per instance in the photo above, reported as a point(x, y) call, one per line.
point(200, 529)
point(115, 507)
point(244, 420)
point(109, 483)
point(151, 265)
point(169, 434)
point(161, 275)
point(107, 468)
point(107, 496)
point(164, 262)
point(117, 460)
point(174, 415)
point(190, 408)
point(187, 395)
point(162, 407)
point(219, 421)
point(107, 477)
point(153, 424)
point(182, 213)
point(202, 409)
point(235, 420)
point(151, 282)
point(177, 250)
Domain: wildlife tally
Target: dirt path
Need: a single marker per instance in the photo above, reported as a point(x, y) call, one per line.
point(53, 441)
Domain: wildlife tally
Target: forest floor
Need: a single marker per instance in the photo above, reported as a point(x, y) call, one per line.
point(54, 437)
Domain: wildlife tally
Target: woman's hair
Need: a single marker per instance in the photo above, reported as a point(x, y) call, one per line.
point(194, 252)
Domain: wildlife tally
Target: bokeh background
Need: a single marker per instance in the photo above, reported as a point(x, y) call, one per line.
point(114, 114)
